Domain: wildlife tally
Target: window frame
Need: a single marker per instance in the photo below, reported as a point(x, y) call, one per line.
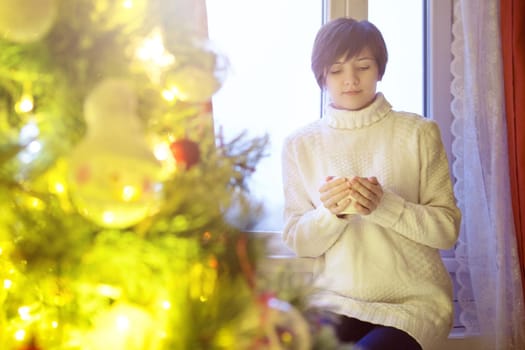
point(438, 58)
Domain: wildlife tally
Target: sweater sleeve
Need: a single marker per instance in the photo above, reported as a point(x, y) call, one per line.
point(308, 231)
point(435, 219)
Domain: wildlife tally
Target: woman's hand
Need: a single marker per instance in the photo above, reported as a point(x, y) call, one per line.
point(335, 194)
point(366, 193)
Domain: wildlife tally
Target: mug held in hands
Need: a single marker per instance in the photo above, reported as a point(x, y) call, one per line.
point(350, 208)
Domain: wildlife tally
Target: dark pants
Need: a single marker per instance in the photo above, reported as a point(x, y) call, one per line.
point(368, 336)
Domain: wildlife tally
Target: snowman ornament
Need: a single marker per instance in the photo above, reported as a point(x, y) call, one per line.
point(114, 178)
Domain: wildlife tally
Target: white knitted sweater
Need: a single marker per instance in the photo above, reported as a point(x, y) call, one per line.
point(383, 268)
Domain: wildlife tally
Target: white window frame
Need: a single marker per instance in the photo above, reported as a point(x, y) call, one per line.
point(357, 9)
point(438, 76)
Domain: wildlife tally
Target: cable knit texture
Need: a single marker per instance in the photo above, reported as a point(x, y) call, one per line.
point(383, 268)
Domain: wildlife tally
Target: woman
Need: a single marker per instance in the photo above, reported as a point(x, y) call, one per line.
point(368, 195)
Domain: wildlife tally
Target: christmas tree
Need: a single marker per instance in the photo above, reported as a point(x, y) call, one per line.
point(123, 213)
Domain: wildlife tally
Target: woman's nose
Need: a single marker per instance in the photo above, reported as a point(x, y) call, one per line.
point(351, 79)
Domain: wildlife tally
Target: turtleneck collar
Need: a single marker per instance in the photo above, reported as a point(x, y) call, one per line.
point(345, 119)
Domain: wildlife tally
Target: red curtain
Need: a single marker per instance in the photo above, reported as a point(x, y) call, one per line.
point(513, 46)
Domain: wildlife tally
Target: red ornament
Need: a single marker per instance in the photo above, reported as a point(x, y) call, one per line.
point(83, 174)
point(30, 346)
point(186, 152)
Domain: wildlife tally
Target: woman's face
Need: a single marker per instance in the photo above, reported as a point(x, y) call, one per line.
point(351, 81)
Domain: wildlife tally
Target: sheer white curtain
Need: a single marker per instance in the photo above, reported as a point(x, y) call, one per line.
point(486, 251)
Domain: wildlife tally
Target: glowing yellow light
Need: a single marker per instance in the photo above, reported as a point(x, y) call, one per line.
point(54, 324)
point(161, 151)
point(203, 299)
point(25, 104)
point(177, 93)
point(166, 305)
point(129, 193)
point(122, 323)
point(108, 217)
point(23, 311)
point(8, 284)
point(127, 4)
point(20, 334)
point(36, 203)
point(59, 187)
point(153, 51)
point(109, 291)
point(169, 95)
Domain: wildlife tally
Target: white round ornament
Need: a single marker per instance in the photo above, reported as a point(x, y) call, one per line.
point(25, 21)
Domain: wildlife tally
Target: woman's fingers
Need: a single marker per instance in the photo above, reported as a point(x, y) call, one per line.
point(334, 187)
point(335, 194)
point(367, 193)
point(333, 183)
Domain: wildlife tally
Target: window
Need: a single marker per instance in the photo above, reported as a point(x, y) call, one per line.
point(271, 88)
point(403, 80)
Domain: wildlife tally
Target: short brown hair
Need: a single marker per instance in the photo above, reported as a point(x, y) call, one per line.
point(346, 36)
